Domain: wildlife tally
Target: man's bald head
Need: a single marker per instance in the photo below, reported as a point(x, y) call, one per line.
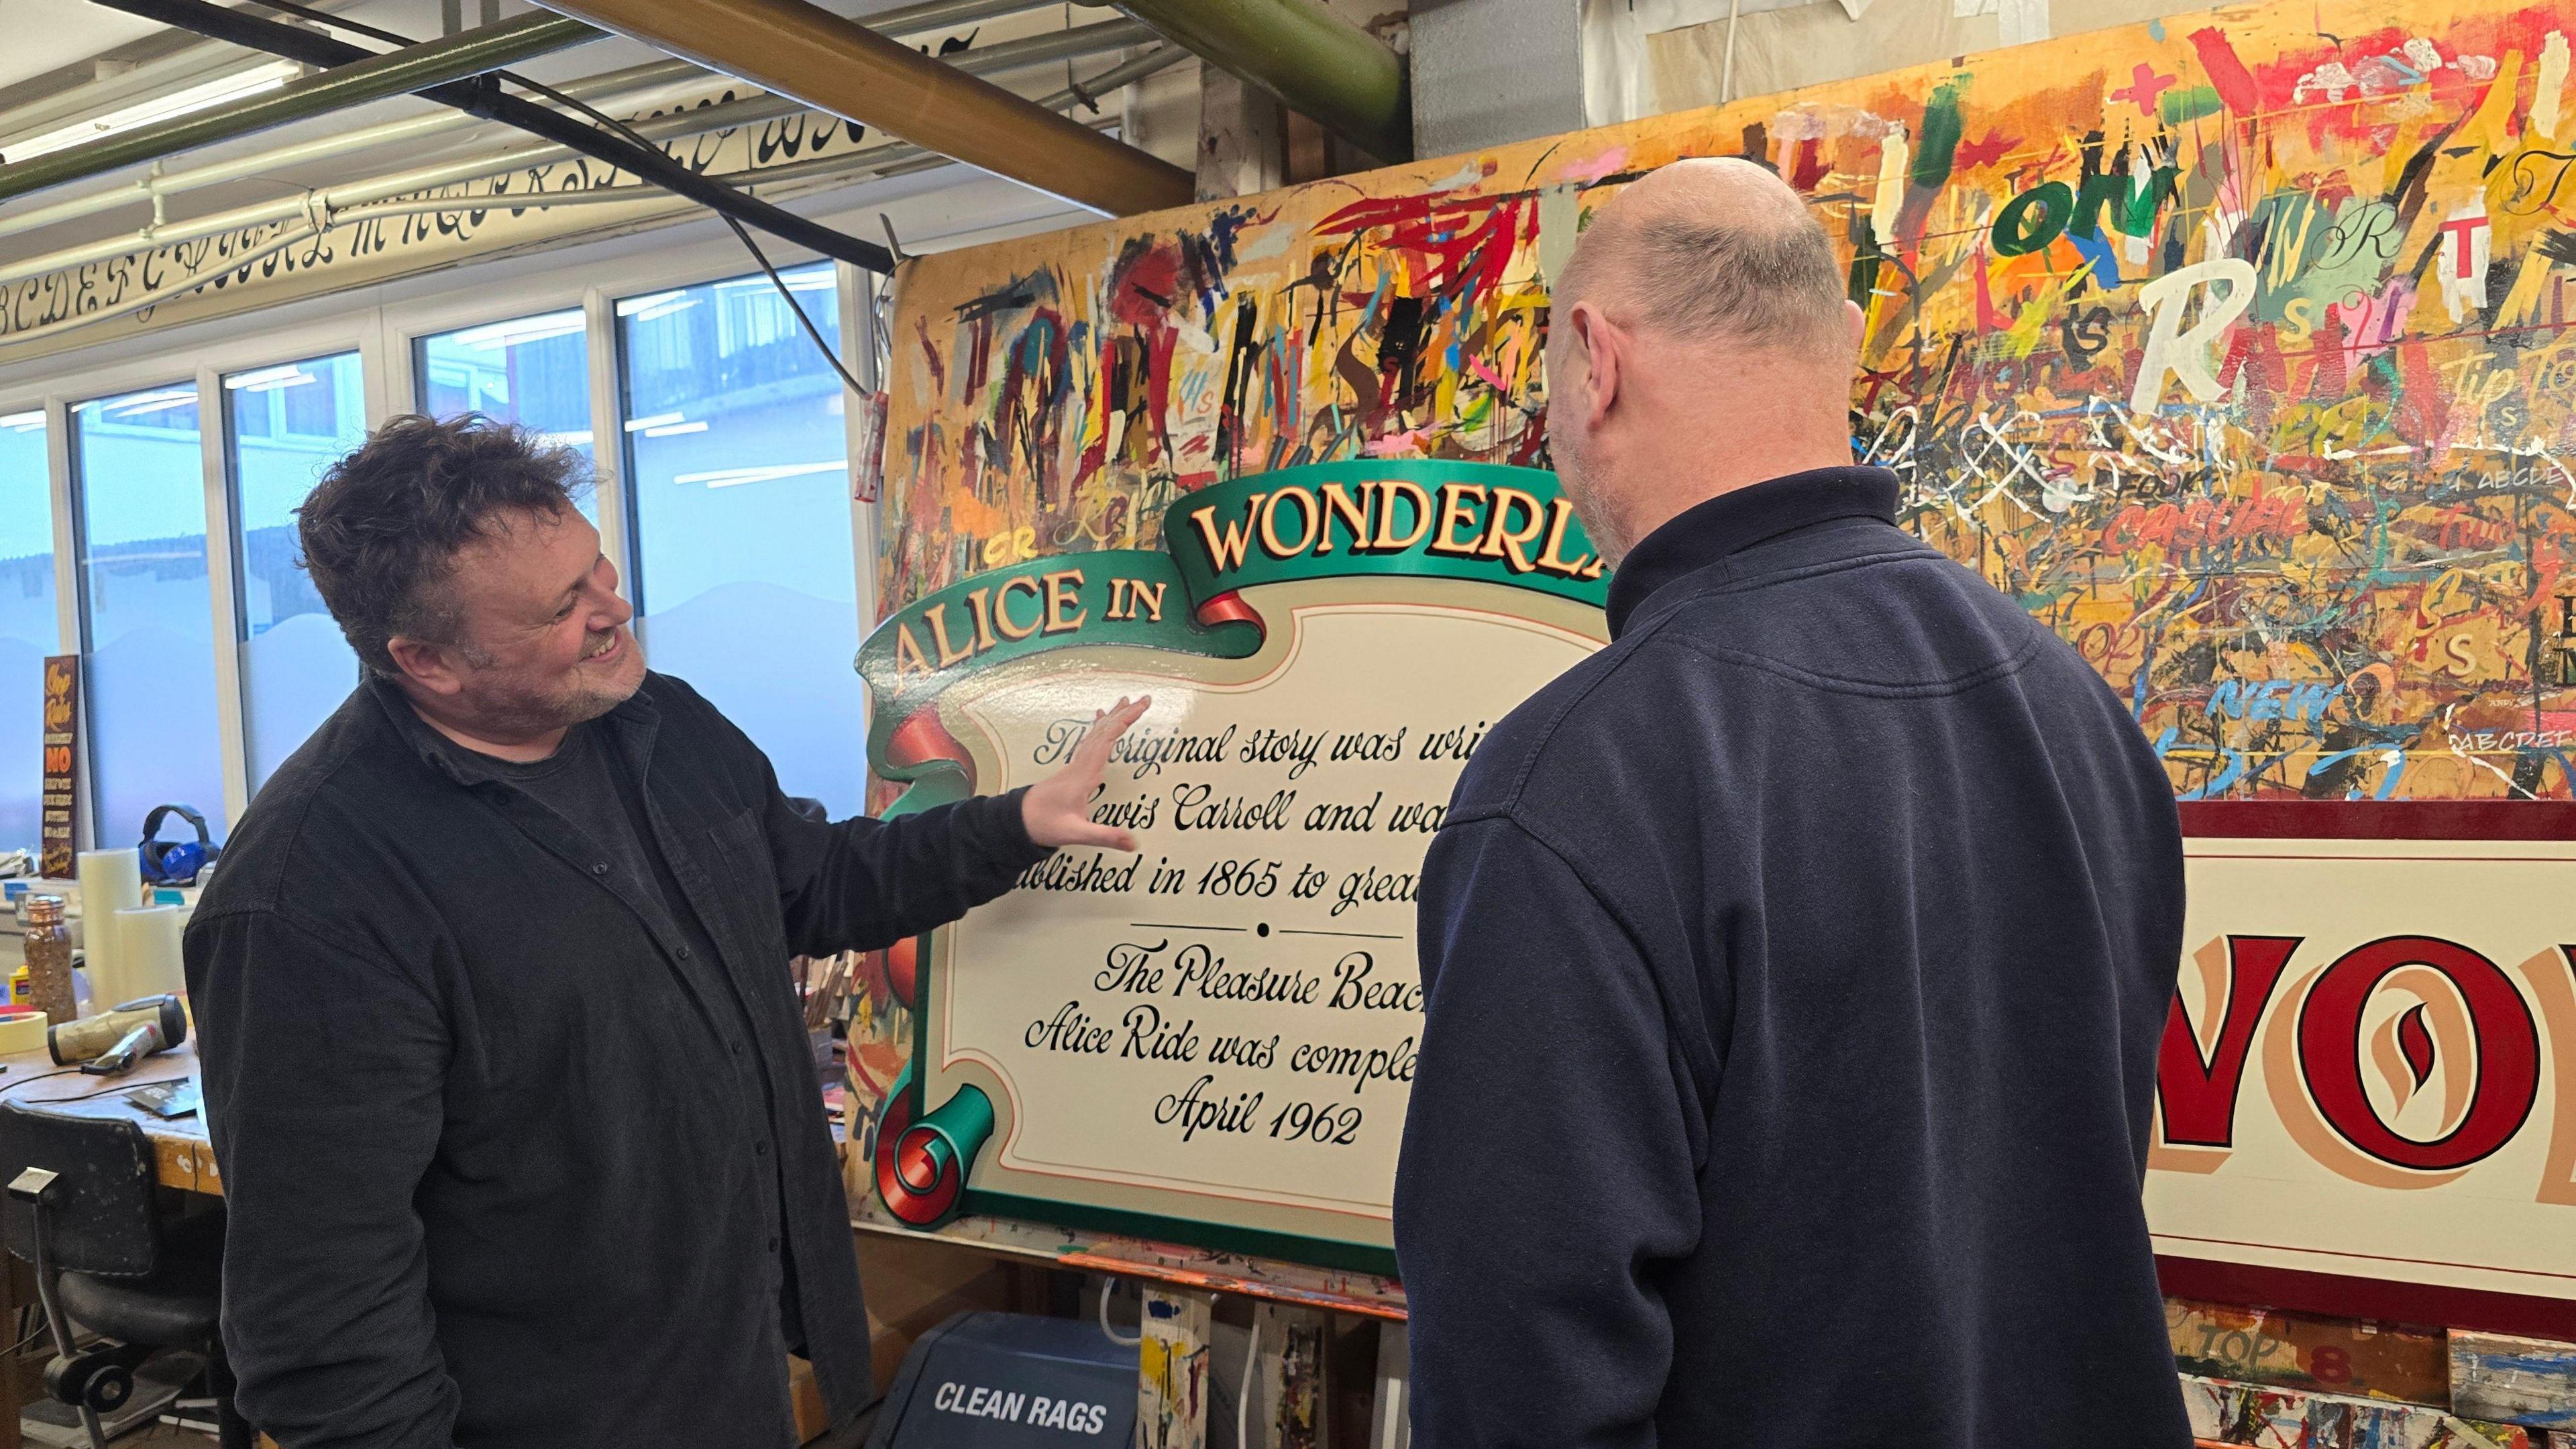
point(1716, 250)
point(1698, 341)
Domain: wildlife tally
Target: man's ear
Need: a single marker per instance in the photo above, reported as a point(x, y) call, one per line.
point(435, 668)
point(1604, 349)
point(1858, 321)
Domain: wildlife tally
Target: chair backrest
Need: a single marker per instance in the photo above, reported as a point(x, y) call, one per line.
point(104, 1217)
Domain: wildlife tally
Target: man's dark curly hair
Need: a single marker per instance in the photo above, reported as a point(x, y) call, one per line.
point(381, 530)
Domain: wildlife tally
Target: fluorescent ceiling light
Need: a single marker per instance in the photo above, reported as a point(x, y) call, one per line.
point(519, 330)
point(632, 305)
point(734, 477)
point(268, 379)
point(660, 310)
point(233, 87)
point(809, 281)
point(674, 429)
point(580, 439)
point(638, 425)
point(137, 404)
point(23, 422)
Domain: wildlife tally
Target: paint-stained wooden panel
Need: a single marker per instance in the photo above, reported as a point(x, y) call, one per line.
point(2514, 1380)
point(2234, 346)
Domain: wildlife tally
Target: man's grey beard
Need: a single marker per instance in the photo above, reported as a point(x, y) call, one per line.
point(1597, 523)
point(535, 714)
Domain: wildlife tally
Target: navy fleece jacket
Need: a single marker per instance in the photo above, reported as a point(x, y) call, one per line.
point(1795, 970)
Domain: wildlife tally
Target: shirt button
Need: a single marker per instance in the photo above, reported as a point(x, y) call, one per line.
point(600, 869)
point(684, 953)
point(773, 1245)
point(760, 1149)
point(737, 1048)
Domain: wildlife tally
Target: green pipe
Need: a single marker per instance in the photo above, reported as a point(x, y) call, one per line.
point(395, 73)
point(1314, 61)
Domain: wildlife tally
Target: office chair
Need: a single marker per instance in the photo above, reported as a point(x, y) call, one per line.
point(81, 1209)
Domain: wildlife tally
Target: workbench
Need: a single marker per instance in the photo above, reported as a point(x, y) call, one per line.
point(186, 1159)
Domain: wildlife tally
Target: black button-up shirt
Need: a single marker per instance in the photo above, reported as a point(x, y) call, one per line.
point(503, 1168)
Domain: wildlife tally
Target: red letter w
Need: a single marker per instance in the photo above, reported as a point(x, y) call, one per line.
point(2199, 1095)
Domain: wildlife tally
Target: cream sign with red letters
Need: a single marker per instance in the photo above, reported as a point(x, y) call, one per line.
point(2370, 1066)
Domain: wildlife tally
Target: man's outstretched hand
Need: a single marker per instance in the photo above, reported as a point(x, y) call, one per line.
point(1057, 809)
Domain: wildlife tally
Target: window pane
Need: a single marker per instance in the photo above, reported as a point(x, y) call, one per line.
point(288, 423)
point(149, 613)
point(28, 629)
point(742, 517)
point(534, 371)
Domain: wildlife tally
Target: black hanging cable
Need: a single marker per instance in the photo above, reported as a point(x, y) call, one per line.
point(616, 127)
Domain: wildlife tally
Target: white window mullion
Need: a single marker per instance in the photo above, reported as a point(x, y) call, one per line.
point(857, 293)
point(71, 631)
point(384, 366)
point(608, 436)
point(223, 590)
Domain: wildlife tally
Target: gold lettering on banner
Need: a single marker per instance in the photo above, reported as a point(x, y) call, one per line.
point(490, 215)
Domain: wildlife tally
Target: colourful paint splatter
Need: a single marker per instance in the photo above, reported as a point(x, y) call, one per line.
point(2236, 348)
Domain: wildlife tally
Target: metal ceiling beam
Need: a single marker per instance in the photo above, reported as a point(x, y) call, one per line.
point(1077, 43)
point(1314, 61)
point(371, 78)
point(843, 67)
point(482, 97)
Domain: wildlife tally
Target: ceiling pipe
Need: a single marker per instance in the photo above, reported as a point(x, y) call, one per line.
point(1313, 61)
point(897, 158)
point(378, 195)
point(482, 97)
point(843, 67)
point(889, 158)
point(374, 78)
point(629, 88)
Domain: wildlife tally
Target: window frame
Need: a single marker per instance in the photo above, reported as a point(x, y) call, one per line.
point(382, 324)
point(203, 363)
point(232, 694)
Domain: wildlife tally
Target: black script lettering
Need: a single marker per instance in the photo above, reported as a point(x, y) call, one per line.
point(1148, 1039)
point(1196, 1111)
point(1069, 1030)
point(1294, 748)
point(1192, 809)
point(1131, 969)
point(1354, 991)
point(1372, 885)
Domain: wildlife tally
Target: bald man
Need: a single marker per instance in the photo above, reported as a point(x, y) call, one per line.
point(1796, 964)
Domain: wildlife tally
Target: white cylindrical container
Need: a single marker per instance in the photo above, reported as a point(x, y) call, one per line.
point(110, 881)
point(147, 948)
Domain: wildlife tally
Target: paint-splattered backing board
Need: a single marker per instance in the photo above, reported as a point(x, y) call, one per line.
point(2233, 345)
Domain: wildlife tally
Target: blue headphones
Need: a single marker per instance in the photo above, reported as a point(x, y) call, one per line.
point(175, 863)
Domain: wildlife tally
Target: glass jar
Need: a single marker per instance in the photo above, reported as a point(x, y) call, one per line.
point(49, 960)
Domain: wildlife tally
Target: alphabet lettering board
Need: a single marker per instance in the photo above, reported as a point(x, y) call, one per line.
point(2370, 1067)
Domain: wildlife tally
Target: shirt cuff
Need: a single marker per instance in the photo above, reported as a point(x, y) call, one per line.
point(1006, 826)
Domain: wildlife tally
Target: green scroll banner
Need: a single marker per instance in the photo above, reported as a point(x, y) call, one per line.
point(1479, 521)
point(1474, 522)
point(921, 1165)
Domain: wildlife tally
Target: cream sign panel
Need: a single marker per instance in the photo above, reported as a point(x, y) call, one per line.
point(2370, 1069)
point(1237, 1007)
point(1214, 1039)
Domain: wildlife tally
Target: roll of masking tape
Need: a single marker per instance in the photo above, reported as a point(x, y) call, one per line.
point(23, 1033)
